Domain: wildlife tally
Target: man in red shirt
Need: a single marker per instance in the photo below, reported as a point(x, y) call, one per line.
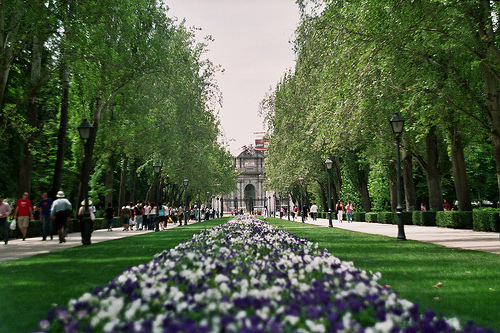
point(23, 213)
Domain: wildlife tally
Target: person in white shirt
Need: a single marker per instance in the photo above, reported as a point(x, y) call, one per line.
point(314, 211)
point(4, 213)
point(60, 214)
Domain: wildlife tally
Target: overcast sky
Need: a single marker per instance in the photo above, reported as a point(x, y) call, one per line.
point(252, 44)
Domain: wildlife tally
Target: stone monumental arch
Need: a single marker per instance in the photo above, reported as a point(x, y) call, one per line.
point(250, 195)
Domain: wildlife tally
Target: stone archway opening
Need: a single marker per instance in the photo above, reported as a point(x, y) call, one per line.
point(249, 197)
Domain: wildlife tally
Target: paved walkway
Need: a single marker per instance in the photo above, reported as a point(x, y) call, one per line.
point(463, 239)
point(18, 248)
point(455, 238)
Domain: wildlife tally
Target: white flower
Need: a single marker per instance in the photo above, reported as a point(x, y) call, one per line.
point(313, 327)
point(221, 278)
point(292, 319)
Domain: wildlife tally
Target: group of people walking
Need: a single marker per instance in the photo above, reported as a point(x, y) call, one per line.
point(150, 216)
point(312, 211)
point(54, 215)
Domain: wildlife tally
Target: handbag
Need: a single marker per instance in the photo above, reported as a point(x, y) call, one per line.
point(13, 224)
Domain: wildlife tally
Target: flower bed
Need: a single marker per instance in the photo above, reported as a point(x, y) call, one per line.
point(245, 276)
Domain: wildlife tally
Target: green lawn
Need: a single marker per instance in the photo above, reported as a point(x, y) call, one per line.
point(470, 280)
point(29, 287)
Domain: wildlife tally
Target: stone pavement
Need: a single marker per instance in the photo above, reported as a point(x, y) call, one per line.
point(17, 248)
point(455, 238)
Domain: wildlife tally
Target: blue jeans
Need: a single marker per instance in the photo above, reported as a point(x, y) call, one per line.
point(5, 226)
point(138, 222)
point(349, 216)
point(110, 223)
point(47, 224)
point(152, 219)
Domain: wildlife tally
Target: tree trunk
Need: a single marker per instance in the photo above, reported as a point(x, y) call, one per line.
point(337, 180)
point(26, 167)
point(123, 179)
point(8, 34)
point(134, 181)
point(459, 172)
point(493, 107)
point(365, 196)
point(63, 127)
point(393, 190)
point(109, 182)
point(409, 185)
point(91, 143)
point(432, 171)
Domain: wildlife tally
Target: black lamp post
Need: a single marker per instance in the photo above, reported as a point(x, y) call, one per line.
point(207, 211)
point(186, 182)
point(288, 201)
point(301, 180)
point(329, 165)
point(221, 206)
point(397, 123)
point(279, 203)
point(199, 205)
point(85, 129)
point(157, 170)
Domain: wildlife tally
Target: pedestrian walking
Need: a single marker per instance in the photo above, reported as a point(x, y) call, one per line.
point(109, 215)
point(4, 213)
point(44, 206)
point(348, 209)
point(138, 216)
point(314, 211)
point(125, 215)
point(60, 213)
point(81, 216)
point(305, 211)
point(339, 208)
point(23, 214)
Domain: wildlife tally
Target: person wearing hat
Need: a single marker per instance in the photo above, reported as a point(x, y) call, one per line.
point(60, 212)
point(81, 213)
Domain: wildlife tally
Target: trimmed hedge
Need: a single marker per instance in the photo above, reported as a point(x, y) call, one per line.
point(371, 217)
point(452, 219)
point(358, 216)
point(387, 217)
point(424, 218)
point(486, 219)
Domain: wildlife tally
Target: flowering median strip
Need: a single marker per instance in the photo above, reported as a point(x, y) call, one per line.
point(246, 276)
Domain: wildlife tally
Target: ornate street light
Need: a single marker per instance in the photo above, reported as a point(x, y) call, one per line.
point(279, 203)
point(186, 182)
point(199, 204)
point(85, 129)
point(157, 170)
point(287, 188)
point(397, 123)
point(329, 165)
point(301, 181)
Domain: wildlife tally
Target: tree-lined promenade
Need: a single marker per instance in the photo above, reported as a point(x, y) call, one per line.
point(136, 74)
point(408, 267)
point(435, 62)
